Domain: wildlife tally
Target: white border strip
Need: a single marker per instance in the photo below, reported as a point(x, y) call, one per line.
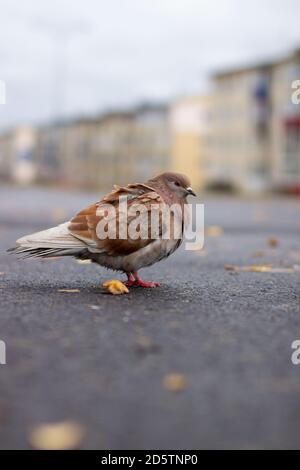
point(2, 92)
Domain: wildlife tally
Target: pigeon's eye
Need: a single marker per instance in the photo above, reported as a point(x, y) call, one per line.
point(176, 183)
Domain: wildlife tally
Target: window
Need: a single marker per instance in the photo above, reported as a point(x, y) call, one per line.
point(292, 151)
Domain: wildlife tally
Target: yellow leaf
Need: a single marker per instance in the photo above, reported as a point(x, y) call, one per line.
point(144, 345)
point(264, 268)
point(174, 382)
point(115, 287)
point(57, 436)
point(214, 231)
point(259, 268)
point(69, 291)
point(273, 242)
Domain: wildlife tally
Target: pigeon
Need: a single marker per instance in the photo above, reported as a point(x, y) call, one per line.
point(79, 237)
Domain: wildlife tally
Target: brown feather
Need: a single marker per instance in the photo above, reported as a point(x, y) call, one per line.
point(84, 224)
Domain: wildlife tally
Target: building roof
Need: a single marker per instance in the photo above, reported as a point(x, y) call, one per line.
point(263, 65)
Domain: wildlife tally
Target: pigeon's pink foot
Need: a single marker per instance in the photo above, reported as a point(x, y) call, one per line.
point(130, 280)
point(129, 283)
point(140, 283)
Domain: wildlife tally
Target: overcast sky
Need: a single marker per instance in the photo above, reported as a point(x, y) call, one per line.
point(83, 56)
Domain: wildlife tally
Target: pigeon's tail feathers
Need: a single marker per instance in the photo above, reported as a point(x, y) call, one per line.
point(56, 241)
point(43, 252)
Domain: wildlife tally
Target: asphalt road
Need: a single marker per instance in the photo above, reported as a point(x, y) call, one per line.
point(83, 356)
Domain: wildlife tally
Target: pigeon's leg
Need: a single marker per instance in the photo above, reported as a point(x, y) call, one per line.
point(130, 280)
point(140, 283)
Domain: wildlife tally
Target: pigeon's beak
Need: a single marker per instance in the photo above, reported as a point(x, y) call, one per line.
point(191, 192)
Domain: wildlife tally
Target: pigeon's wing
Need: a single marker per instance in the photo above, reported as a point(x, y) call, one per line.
point(111, 227)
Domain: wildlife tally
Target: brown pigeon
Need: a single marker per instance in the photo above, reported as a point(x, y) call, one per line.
point(124, 251)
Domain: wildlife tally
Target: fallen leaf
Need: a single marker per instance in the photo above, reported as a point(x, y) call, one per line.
point(57, 436)
point(83, 261)
point(273, 242)
point(174, 382)
point(69, 291)
point(264, 268)
point(251, 268)
point(214, 231)
point(115, 287)
point(259, 268)
point(145, 345)
point(283, 270)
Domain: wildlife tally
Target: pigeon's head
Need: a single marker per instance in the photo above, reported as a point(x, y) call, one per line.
point(178, 184)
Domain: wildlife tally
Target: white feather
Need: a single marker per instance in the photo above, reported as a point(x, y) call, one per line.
point(55, 237)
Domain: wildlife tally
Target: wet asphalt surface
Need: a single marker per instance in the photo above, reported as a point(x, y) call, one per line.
point(83, 356)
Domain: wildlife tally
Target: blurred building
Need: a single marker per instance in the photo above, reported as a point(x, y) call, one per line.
point(6, 156)
point(245, 134)
point(189, 121)
point(17, 155)
point(254, 138)
point(239, 144)
point(285, 124)
point(78, 168)
point(130, 145)
point(113, 148)
point(84, 153)
point(50, 153)
point(151, 141)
